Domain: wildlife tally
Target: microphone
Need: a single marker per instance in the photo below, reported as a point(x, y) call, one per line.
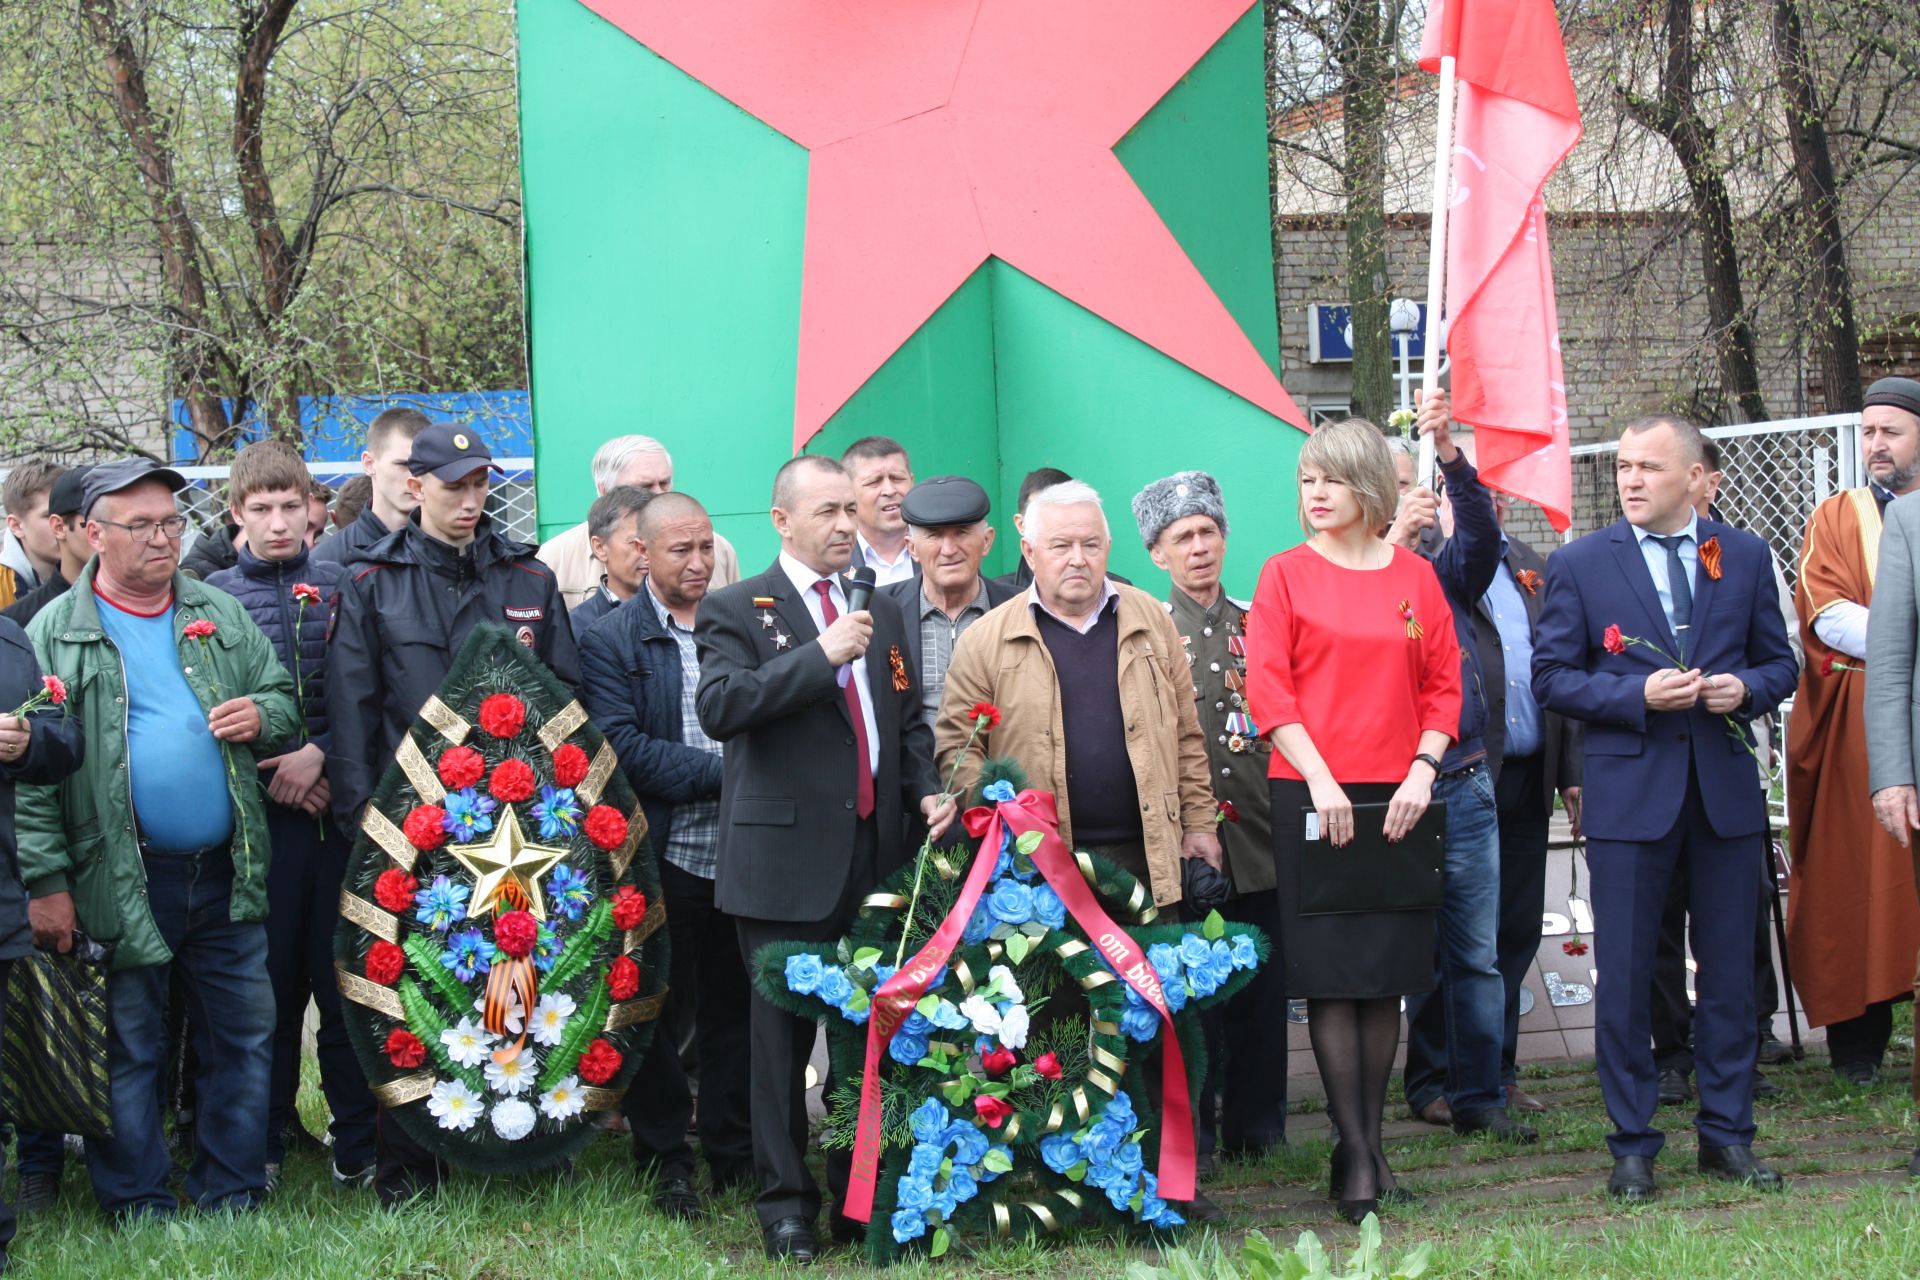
point(859, 588)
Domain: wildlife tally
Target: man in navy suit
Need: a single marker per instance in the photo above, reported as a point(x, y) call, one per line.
point(1670, 778)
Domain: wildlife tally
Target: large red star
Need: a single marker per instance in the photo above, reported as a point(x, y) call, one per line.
point(942, 132)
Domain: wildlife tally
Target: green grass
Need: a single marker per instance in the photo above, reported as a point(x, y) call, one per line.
point(1491, 1211)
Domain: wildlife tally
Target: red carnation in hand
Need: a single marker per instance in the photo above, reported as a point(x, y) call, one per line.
point(515, 932)
point(600, 1063)
point(999, 1061)
point(629, 907)
point(984, 711)
point(623, 978)
point(404, 1048)
point(306, 593)
point(56, 689)
point(423, 828)
point(512, 781)
point(394, 889)
point(502, 715)
point(198, 629)
point(605, 826)
point(1048, 1065)
point(384, 962)
point(1610, 641)
point(993, 1110)
point(569, 766)
point(460, 767)
point(1574, 948)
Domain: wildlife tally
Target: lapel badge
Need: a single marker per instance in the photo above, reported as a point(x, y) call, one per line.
point(766, 620)
point(763, 602)
point(781, 640)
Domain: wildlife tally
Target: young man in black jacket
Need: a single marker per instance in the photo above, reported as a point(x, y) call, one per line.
point(290, 597)
point(404, 613)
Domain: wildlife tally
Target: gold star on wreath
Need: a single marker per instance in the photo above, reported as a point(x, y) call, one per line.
point(507, 868)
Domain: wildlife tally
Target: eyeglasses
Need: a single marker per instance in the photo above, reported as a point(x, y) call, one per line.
point(142, 530)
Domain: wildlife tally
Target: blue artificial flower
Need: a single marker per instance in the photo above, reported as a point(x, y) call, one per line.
point(908, 1224)
point(1195, 951)
point(1060, 1152)
point(1128, 1158)
point(945, 1202)
point(835, 987)
point(1202, 979)
point(569, 891)
point(1221, 965)
point(979, 925)
point(963, 1186)
point(441, 904)
point(558, 815)
point(1175, 994)
point(804, 972)
point(930, 1121)
point(468, 814)
point(1003, 865)
point(1103, 1140)
point(1140, 1024)
point(1011, 903)
point(969, 1145)
point(1047, 907)
point(999, 792)
point(1153, 1210)
point(916, 1194)
point(1100, 1174)
point(1119, 1109)
point(907, 1049)
point(1133, 998)
point(858, 1017)
point(924, 1162)
point(1120, 1189)
point(468, 953)
point(546, 948)
point(1165, 961)
point(917, 1024)
point(1244, 955)
point(881, 972)
point(947, 1017)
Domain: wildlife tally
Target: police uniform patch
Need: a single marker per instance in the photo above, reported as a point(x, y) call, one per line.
point(531, 613)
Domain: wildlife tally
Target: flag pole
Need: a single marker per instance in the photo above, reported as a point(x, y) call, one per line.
point(1442, 194)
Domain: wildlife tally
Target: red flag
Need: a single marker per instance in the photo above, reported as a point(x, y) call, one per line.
point(1515, 121)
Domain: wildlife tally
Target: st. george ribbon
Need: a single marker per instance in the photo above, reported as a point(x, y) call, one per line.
point(1012, 816)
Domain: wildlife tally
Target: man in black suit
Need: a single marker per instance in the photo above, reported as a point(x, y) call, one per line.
point(826, 753)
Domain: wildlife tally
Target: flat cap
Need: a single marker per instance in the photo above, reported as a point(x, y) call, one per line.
point(945, 500)
point(1901, 393)
point(1182, 494)
point(112, 477)
point(449, 451)
point(68, 497)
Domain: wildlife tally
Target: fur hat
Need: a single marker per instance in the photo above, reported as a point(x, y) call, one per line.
point(1184, 493)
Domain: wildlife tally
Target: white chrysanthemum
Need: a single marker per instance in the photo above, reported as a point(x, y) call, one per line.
point(984, 1017)
point(512, 1119)
point(1013, 1027)
point(467, 1044)
point(514, 1076)
point(454, 1105)
point(516, 1012)
point(550, 1017)
point(564, 1101)
point(1009, 989)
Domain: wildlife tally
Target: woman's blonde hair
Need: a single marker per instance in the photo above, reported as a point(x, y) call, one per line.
point(1354, 452)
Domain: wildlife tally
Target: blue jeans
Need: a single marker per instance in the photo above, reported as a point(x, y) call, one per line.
point(225, 966)
point(1454, 1035)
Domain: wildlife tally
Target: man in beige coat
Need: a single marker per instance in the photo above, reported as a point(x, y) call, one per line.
point(1096, 700)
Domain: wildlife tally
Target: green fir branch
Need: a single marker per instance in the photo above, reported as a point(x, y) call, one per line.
point(581, 947)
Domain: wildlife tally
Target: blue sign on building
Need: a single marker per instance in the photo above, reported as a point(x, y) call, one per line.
point(1330, 334)
point(335, 427)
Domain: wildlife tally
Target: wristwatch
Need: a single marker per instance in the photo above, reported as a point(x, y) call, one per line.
point(1423, 756)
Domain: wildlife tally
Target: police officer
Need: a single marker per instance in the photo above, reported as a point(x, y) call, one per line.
point(1183, 522)
point(404, 612)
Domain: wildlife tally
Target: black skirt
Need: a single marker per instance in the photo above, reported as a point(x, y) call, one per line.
point(1359, 956)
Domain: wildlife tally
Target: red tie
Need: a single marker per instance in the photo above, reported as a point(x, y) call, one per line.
point(863, 790)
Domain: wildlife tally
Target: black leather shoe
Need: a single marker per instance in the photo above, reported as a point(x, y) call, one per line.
point(1495, 1122)
point(1773, 1052)
point(1675, 1089)
point(791, 1239)
point(1632, 1180)
point(674, 1196)
point(1763, 1087)
point(1913, 1165)
point(1736, 1164)
point(1861, 1075)
point(845, 1230)
point(1201, 1209)
point(37, 1191)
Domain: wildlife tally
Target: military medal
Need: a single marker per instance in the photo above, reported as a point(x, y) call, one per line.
point(781, 640)
point(766, 621)
point(1237, 645)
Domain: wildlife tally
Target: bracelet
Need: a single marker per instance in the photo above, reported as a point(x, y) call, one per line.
point(1424, 758)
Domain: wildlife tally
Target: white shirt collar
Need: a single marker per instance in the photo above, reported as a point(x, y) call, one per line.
point(803, 577)
point(870, 556)
point(1107, 592)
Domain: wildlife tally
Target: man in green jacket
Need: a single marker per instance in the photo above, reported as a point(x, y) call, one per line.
point(159, 845)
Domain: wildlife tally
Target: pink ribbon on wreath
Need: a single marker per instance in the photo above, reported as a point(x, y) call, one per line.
point(895, 999)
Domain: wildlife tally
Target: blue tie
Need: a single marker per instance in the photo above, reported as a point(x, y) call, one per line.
point(1679, 588)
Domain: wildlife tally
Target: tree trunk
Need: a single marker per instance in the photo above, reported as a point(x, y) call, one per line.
point(1836, 340)
point(1363, 96)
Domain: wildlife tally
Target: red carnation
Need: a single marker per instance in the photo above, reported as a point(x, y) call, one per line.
point(1048, 1065)
point(198, 629)
point(423, 827)
point(600, 1063)
point(502, 715)
point(984, 711)
point(999, 1061)
point(515, 932)
point(56, 689)
point(306, 593)
point(629, 906)
point(623, 978)
point(1610, 641)
point(512, 781)
point(993, 1110)
point(1574, 948)
point(394, 889)
point(384, 962)
point(606, 826)
point(569, 766)
point(460, 767)
point(404, 1048)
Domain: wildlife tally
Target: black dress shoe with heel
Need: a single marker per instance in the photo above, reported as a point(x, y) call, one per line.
point(1632, 1180)
point(791, 1239)
point(1736, 1164)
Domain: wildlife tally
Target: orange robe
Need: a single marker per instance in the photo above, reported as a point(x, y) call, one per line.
point(1853, 920)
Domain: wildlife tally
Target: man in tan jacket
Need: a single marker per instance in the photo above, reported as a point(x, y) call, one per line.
point(1095, 697)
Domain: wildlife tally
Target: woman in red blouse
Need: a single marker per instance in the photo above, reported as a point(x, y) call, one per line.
point(1354, 672)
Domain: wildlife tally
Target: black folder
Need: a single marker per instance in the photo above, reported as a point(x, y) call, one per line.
point(1369, 873)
